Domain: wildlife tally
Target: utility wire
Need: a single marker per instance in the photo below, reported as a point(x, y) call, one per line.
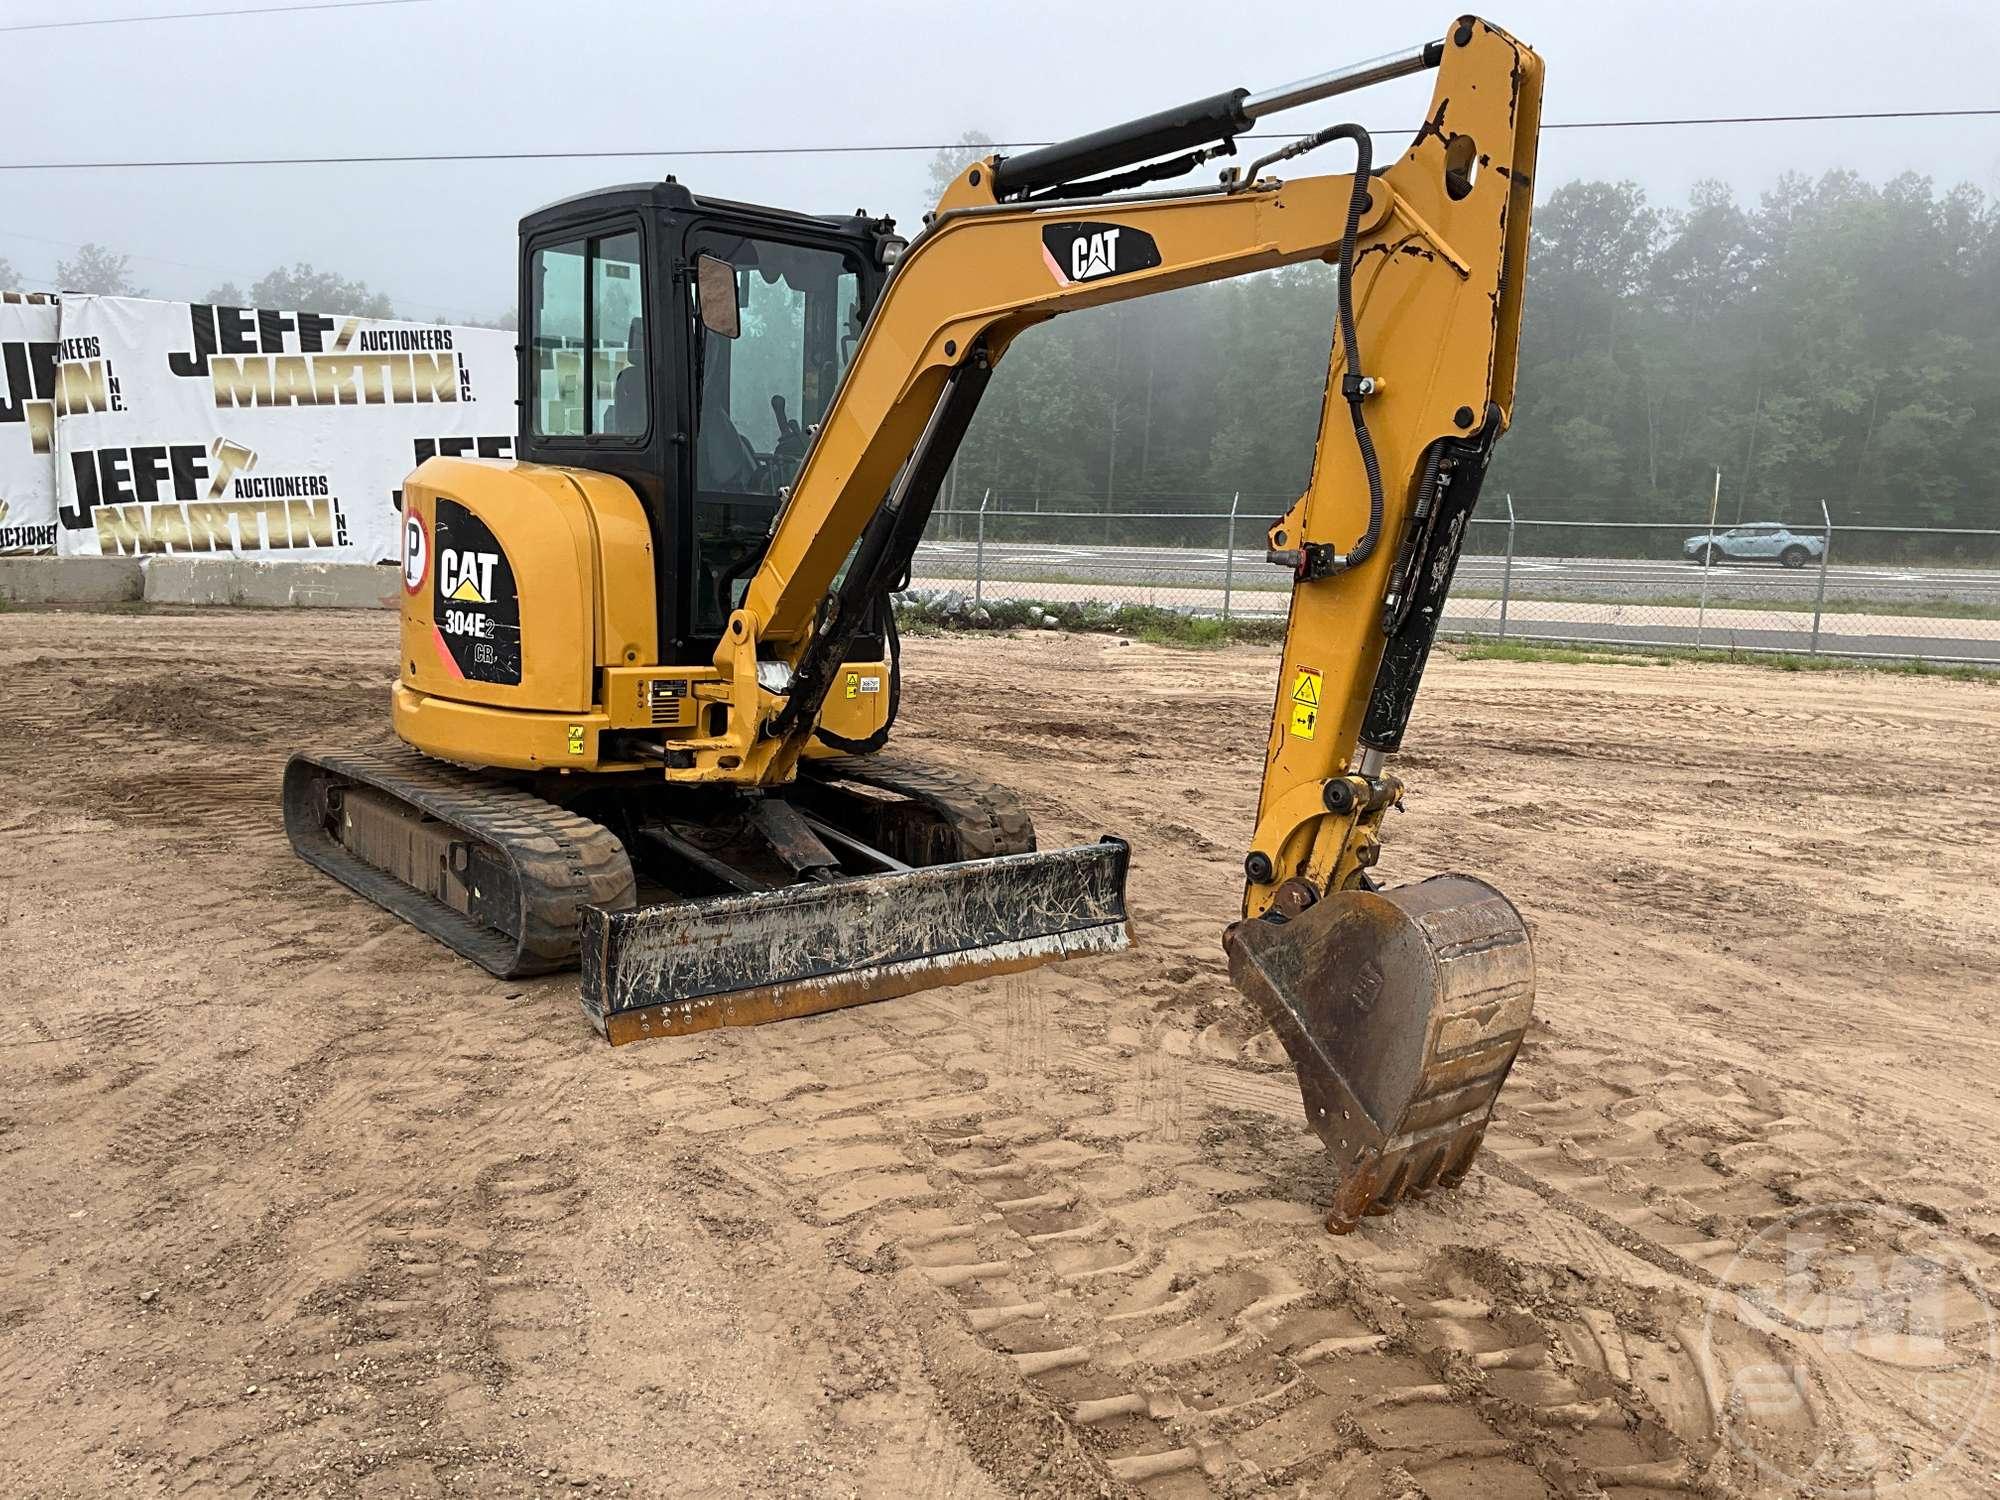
point(305, 161)
point(476, 156)
point(1864, 114)
point(203, 15)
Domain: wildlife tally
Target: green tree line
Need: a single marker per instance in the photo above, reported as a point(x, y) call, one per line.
point(1837, 341)
point(99, 269)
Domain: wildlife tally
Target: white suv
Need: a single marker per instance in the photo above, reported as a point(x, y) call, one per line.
point(1761, 542)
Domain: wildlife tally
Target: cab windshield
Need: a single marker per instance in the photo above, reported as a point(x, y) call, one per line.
point(760, 396)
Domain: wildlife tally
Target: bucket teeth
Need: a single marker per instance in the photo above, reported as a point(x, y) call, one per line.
point(1402, 1011)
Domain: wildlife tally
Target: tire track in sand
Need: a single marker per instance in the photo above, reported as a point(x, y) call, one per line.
point(1190, 1324)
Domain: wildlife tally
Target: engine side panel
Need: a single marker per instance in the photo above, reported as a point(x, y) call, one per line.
point(529, 627)
point(519, 581)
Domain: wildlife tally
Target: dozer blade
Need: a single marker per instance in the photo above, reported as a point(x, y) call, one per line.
point(743, 960)
point(1402, 1011)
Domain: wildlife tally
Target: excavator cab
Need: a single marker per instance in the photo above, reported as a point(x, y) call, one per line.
point(690, 347)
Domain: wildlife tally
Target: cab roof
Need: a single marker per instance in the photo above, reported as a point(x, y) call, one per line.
point(671, 196)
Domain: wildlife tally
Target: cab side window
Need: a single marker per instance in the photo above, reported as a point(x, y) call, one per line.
point(555, 341)
point(759, 396)
point(617, 337)
point(587, 338)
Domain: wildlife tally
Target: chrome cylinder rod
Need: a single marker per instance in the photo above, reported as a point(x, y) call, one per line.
point(1345, 80)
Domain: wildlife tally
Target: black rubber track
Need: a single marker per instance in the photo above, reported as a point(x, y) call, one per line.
point(561, 862)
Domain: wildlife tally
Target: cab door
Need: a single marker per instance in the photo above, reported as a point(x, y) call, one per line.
point(591, 393)
point(759, 395)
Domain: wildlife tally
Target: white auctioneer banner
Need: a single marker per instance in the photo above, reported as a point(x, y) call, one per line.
point(27, 423)
point(264, 432)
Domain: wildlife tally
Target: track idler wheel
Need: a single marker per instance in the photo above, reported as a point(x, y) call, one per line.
point(1402, 1011)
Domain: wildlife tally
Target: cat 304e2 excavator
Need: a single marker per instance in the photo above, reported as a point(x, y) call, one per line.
point(651, 666)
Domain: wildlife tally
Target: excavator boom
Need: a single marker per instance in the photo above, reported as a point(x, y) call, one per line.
point(1402, 1010)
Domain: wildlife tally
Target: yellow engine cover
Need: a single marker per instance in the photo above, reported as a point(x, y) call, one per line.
point(529, 625)
point(520, 580)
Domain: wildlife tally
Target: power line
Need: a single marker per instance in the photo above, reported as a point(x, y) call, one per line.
point(203, 15)
point(732, 151)
point(479, 156)
point(1865, 114)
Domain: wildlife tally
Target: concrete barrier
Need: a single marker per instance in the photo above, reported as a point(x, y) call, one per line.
point(320, 585)
point(71, 580)
point(183, 580)
point(270, 585)
point(198, 581)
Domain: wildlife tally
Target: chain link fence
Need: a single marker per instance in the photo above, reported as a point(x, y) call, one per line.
point(1814, 588)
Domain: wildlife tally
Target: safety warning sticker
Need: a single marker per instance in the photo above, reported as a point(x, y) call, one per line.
point(1305, 703)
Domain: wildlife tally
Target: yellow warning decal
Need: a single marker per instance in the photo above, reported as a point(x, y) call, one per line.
point(1305, 703)
point(576, 739)
point(853, 683)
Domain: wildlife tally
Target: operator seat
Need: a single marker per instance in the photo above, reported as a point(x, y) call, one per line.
point(628, 393)
point(724, 461)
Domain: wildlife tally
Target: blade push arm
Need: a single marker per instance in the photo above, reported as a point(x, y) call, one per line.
point(1439, 253)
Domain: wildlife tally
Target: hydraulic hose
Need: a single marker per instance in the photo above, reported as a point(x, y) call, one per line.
point(1351, 380)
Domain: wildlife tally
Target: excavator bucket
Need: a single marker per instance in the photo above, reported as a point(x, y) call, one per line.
point(1402, 1011)
point(667, 970)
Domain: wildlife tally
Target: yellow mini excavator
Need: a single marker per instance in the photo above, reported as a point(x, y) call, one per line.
point(648, 670)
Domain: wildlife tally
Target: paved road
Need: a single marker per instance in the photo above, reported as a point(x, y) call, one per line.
point(1931, 639)
point(1613, 578)
point(1566, 599)
point(1980, 650)
point(1608, 579)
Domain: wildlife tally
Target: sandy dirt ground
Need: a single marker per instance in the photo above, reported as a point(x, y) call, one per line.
point(293, 1201)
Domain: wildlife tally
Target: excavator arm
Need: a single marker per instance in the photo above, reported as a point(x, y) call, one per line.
point(1433, 249)
point(1403, 1008)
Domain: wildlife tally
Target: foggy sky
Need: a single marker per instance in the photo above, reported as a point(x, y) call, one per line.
point(492, 75)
